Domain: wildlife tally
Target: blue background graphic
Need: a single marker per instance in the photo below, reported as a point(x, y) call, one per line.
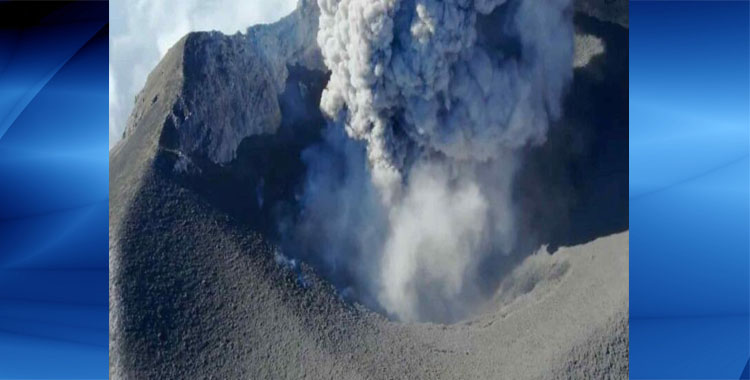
point(689, 181)
point(53, 190)
point(689, 190)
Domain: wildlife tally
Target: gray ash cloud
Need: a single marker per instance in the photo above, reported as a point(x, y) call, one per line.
point(435, 99)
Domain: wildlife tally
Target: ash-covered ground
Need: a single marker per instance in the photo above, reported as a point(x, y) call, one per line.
point(256, 234)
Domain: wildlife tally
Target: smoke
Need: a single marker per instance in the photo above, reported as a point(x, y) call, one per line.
point(141, 32)
point(436, 98)
point(439, 233)
point(423, 66)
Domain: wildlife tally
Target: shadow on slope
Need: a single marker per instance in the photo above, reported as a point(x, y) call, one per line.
point(574, 188)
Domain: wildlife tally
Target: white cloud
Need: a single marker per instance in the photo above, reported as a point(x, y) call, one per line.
point(141, 32)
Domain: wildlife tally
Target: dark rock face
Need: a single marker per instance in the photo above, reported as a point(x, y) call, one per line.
point(228, 95)
point(259, 186)
point(227, 88)
point(574, 188)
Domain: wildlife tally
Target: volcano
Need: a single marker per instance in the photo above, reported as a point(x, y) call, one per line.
point(209, 173)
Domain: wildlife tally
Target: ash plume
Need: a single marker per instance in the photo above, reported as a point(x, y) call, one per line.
point(435, 99)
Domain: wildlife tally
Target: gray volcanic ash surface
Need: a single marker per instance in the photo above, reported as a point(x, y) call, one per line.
point(210, 276)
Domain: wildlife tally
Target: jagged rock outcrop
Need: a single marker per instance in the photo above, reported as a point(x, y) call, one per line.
point(226, 88)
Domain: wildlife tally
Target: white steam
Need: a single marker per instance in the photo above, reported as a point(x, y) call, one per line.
point(435, 230)
point(442, 94)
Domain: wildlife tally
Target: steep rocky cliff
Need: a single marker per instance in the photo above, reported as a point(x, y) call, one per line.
point(226, 88)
